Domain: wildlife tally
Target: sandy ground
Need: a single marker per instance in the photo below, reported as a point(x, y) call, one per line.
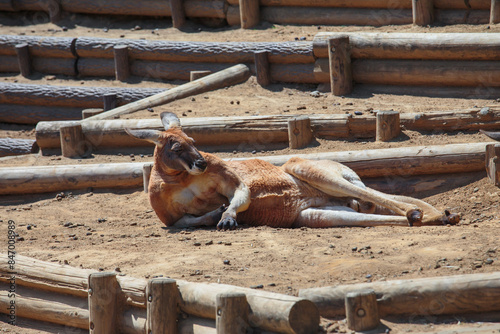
point(117, 230)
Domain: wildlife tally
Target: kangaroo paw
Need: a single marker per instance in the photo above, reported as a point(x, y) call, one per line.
point(414, 217)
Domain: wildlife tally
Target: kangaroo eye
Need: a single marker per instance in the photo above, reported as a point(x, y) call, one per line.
point(176, 147)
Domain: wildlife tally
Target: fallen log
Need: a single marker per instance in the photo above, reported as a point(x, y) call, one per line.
point(171, 51)
point(474, 293)
point(262, 130)
point(227, 77)
point(68, 96)
point(16, 146)
point(418, 72)
point(393, 162)
point(440, 46)
point(269, 311)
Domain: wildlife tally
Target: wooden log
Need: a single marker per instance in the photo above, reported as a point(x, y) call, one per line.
point(103, 303)
point(431, 296)
point(196, 325)
point(493, 163)
point(388, 125)
point(23, 59)
point(178, 15)
point(335, 3)
point(90, 67)
point(495, 12)
point(122, 66)
point(445, 92)
point(9, 64)
point(44, 306)
point(146, 174)
point(443, 46)
point(299, 132)
point(249, 13)
point(40, 46)
point(162, 306)
point(109, 101)
point(419, 72)
point(195, 75)
point(197, 52)
point(227, 77)
point(340, 66)
point(68, 96)
point(73, 143)
point(361, 310)
point(16, 146)
point(7, 5)
point(335, 16)
point(28, 114)
point(262, 68)
point(232, 313)
point(423, 12)
point(470, 5)
point(63, 66)
point(86, 113)
point(455, 16)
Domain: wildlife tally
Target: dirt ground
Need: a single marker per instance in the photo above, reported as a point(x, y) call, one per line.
point(116, 230)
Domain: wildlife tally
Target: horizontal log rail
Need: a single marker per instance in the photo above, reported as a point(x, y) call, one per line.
point(391, 163)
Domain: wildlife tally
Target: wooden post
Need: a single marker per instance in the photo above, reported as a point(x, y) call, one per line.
point(232, 313)
point(23, 59)
point(122, 67)
point(493, 163)
point(495, 12)
point(162, 306)
point(146, 173)
point(339, 55)
point(362, 310)
point(54, 9)
point(388, 125)
point(109, 101)
point(72, 141)
point(103, 308)
point(262, 68)
point(195, 75)
point(299, 132)
point(423, 12)
point(249, 13)
point(86, 113)
point(178, 14)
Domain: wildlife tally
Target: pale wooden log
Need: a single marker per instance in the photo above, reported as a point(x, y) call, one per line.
point(196, 52)
point(299, 132)
point(224, 78)
point(456, 16)
point(495, 12)
point(249, 13)
point(361, 310)
point(334, 16)
point(86, 113)
point(195, 75)
point(40, 46)
point(109, 101)
point(103, 303)
point(493, 163)
point(339, 55)
point(41, 179)
point(73, 144)
point(262, 68)
point(388, 125)
point(232, 313)
point(162, 306)
point(423, 12)
point(122, 66)
point(431, 296)
point(68, 96)
point(43, 306)
point(178, 15)
point(373, 45)
point(23, 59)
point(16, 146)
point(146, 174)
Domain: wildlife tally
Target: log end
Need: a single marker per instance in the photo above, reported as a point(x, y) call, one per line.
point(304, 317)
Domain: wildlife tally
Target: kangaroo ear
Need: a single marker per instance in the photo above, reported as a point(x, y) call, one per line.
point(152, 136)
point(170, 120)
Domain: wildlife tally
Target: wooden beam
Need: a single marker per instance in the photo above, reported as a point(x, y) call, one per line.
point(232, 313)
point(340, 66)
point(493, 163)
point(224, 78)
point(262, 68)
point(109, 101)
point(16, 146)
point(195, 75)
point(178, 13)
point(122, 65)
point(73, 143)
point(300, 133)
point(388, 125)
point(24, 59)
point(249, 13)
point(361, 310)
point(423, 12)
point(103, 303)
point(163, 301)
point(86, 113)
point(422, 296)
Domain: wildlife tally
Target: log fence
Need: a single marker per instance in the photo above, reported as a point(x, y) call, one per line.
point(108, 303)
point(249, 13)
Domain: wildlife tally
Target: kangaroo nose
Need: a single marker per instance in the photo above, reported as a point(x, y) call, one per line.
point(200, 164)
